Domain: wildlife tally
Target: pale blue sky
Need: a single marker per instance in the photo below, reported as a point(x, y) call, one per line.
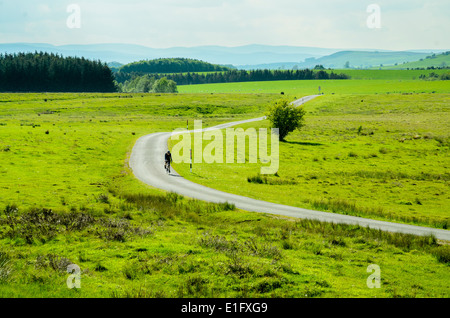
point(405, 24)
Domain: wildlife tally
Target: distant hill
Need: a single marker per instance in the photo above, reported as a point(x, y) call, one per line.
point(359, 59)
point(434, 60)
point(246, 57)
point(351, 59)
point(128, 53)
point(171, 65)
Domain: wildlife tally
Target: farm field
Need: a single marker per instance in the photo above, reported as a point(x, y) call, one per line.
point(295, 89)
point(67, 196)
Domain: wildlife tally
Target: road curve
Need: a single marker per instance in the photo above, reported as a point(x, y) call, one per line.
point(147, 164)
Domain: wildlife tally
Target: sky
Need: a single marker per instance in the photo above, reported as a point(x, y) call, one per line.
point(343, 24)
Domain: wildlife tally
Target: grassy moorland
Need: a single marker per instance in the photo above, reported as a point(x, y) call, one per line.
point(67, 196)
point(378, 156)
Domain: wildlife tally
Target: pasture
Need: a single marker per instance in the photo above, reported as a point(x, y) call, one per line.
point(67, 196)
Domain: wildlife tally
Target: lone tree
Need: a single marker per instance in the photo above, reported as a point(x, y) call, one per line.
point(286, 117)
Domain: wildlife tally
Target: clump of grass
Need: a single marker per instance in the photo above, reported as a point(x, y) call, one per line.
point(41, 224)
point(196, 286)
point(270, 180)
point(45, 224)
point(351, 208)
point(5, 267)
point(218, 243)
point(250, 246)
point(401, 240)
point(58, 264)
point(395, 175)
point(442, 141)
point(442, 254)
point(173, 205)
point(336, 205)
point(269, 284)
point(119, 230)
point(103, 198)
point(237, 266)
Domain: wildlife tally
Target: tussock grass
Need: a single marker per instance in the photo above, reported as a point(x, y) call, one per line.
point(345, 206)
point(251, 246)
point(172, 205)
point(334, 231)
point(42, 225)
point(395, 175)
point(442, 253)
point(55, 262)
point(270, 180)
point(5, 268)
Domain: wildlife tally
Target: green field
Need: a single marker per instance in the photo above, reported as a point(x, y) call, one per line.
point(68, 196)
point(377, 156)
point(296, 89)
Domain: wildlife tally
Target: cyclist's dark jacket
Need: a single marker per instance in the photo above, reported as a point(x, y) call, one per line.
point(168, 157)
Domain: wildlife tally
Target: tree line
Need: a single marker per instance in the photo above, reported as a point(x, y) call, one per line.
point(238, 76)
point(148, 84)
point(48, 72)
point(171, 65)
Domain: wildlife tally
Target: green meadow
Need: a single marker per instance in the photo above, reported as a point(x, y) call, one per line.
point(376, 156)
point(297, 89)
point(67, 196)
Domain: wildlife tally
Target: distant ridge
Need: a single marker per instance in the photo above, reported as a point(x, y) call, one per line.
point(128, 53)
point(247, 56)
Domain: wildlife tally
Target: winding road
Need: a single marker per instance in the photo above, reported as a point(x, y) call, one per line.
point(147, 164)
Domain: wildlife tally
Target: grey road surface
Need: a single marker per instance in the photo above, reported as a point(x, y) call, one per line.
point(147, 163)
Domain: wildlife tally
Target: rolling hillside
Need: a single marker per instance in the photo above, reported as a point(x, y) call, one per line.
point(360, 59)
point(439, 60)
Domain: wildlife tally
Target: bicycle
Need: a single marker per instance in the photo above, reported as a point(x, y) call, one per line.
point(167, 166)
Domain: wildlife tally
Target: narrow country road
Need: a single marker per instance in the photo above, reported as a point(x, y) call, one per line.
point(147, 163)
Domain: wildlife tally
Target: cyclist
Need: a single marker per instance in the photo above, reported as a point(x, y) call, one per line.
point(168, 160)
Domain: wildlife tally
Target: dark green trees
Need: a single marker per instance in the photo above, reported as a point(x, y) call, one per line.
point(44, 72)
